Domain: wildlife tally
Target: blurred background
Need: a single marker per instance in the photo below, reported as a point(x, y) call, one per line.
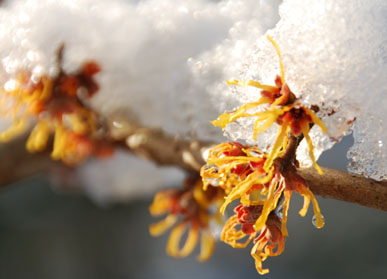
point(48, 233)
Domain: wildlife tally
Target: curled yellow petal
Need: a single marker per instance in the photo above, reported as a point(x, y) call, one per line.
point(231, 236)
point(207, 246)
point(278, 144)
point(47, 88)
point(305, 132)
point(161, 203)
point(76, 124)
point(270, 204)
point(279, 57)
point(252, 83)
point(175, 237)
point(199, 194)
point(305, 207)
point(284, 229)
point(228, 117)
point(258, 259)
point(60, 140)
point(38, 138)
point(159, 228)
point(17, 128)
point(244, 186)
point(316, 120)
point(318, 217)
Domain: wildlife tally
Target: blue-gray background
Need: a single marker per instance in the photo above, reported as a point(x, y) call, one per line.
point(45, 234)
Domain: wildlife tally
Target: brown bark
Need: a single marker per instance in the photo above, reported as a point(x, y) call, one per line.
point(16, 163)
point(157, 146)
point(347, 187)
point(163, 149)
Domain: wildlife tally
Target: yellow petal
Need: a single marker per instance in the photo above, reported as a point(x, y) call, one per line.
point(252, 83)
point(175, 237)
point(207, 246)
point(258, 260)
point(240, 189)
point(282, 133)
point(316, 120)
point(319, 218)
point(161, 203)
point(159, 228)
point(305, 207)
point(60, 141)
point(38, 138)
point(228, 117)
point(284, 229)
point(47, 88)
point(305, 132)
point(269, 205)
point(16, 129)
point(279, 57)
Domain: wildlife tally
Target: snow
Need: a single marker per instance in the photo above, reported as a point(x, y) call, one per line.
point(334, 54)
point(166, 62)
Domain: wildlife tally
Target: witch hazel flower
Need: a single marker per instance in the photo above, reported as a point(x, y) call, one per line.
point(268, 242)
point(283, 109)
point(264, 182)
point(57, 105)
point(195, 208)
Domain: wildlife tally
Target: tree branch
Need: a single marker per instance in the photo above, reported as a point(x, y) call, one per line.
point(16, 163)
point(157, 146)
point(163, 149)
point(347, 187)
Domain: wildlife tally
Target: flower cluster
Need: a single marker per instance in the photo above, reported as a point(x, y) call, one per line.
point(263, 182)
point(269, 239)
point(57, 106)
point(196, 208)
point(283, 109)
